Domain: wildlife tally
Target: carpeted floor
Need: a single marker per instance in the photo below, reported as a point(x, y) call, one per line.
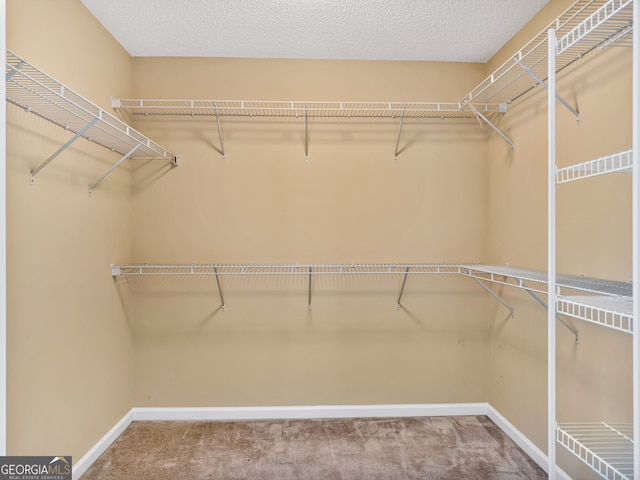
point(456, 448)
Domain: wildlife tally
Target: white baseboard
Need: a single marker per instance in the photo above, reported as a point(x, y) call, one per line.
point(306, 412)
point(523, 442)
point(99, 448)
point(302, 412)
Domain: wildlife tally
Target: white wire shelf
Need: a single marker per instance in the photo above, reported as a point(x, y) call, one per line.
point(601, 312)
point(573, 282)
point(612, 312)
point(605, 447)
point(302, 109)
point(38, 93)
point(617, 163)
point(582, 28)
point(289, 269)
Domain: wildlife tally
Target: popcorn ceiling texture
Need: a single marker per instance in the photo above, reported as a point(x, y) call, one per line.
point(417, 30)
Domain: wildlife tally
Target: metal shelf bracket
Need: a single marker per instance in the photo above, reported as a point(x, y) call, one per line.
point(496, 129)
point(395, 157)
point(404, 281)
point(215, 105)
point(35, 171)
point(494, 295)
point(546, 307)
point(222, 307)
point(310, 274)
point(116, 165)
point(306, 144)
point(14, 70)
point(542, 83)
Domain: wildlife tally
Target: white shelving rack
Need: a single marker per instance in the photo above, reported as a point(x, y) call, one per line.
point(37, 92)
point(591, 23)
point(613, 451)
point(532, 281)
point(310, 110)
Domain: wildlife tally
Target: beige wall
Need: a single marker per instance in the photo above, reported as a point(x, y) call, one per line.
point(594, 239)
point(349, 203)
point(70, 375)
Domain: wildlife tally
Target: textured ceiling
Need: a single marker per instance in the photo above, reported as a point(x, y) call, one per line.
point(421, 30)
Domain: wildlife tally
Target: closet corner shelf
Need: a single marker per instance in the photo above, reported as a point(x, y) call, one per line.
point(617, 163)
point(582, 28)
point(605, 447)
point(38, 93)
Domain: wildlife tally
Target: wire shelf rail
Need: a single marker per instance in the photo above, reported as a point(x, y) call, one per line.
point(303, 109)
point(38, 93)
point(605, 447)
point(612, 312)
point(617, 163)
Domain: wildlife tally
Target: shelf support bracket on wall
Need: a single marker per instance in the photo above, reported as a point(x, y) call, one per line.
point(306, 141)
point(546, 87)
point(404, 281)
point(494, 295)
point(116, 165)
point(495, 129)
point(310, 274)
point(81, 132)
point(546, 307)
point(215, 105)
point(395, 157)
point(14, 70)
point(222, 307)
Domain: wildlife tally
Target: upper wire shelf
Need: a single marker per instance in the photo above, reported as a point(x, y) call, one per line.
point(288, 269)
point(36, 92)
point(303, 109)
point(583, 27)
point(617, 163)
point(605, 447)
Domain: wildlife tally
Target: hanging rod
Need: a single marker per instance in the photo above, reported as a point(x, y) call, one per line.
point(37, 92)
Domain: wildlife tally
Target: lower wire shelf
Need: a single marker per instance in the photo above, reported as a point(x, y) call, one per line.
point(607, 448)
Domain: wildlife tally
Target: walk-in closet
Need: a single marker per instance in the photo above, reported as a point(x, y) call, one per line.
point(442, 249)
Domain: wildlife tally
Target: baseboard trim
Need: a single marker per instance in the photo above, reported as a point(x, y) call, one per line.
point(306, 412)
point(523, 442)
point(99, 448)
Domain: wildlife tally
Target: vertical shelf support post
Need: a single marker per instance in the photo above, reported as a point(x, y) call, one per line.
point(222, 306)
point(81, 132)
point(116, 165)
point(636, 238)
point(215, 105)
point(546, 87)
point(551, 258)
point(404, 281)
point(395, 157)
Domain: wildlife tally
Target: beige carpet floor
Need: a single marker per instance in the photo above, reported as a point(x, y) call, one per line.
point(456, 448)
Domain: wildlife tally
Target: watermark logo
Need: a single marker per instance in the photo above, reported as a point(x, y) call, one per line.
point(35, 468)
